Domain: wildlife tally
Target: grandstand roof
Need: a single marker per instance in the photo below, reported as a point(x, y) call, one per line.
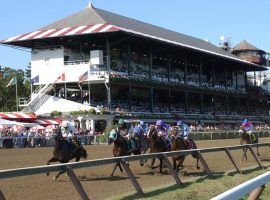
point(94, 20)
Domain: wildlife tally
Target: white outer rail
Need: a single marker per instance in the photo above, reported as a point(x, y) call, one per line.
point(244, 188)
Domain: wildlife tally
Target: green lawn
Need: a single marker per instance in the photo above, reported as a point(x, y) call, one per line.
point(203, 188)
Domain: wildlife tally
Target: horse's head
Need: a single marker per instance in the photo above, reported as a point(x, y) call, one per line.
point(112, 136)
point(174, 131)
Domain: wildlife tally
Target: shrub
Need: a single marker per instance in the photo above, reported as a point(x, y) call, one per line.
point(56, 113)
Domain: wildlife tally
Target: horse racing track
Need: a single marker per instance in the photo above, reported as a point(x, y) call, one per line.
point(97, 181)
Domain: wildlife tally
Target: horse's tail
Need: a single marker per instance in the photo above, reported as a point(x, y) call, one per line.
point(84, 153)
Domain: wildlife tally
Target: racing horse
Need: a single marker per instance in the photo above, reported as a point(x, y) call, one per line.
point(120, 148)
point(61, 153)
point(179, 144)
point(157, 144)
point(246, 138)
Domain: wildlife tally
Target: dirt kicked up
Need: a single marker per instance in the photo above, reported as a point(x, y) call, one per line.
point(97, 181)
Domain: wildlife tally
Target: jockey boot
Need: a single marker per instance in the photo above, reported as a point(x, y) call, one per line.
point(188, 143)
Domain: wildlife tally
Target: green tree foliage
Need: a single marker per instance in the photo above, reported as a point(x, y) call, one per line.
point(8, 95)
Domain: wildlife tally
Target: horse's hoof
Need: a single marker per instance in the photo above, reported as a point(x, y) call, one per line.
point(48, 174)
point(55, 178)
point(198, 167)
point(111, 175)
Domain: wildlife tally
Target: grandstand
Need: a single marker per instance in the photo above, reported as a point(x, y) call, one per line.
point(143, 71)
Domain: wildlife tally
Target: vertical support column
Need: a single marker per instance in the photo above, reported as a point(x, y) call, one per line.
point(129, 97)
point(185, 72)
point(132, 177)
point(248, 106)
point(227, 105)
point(214, 76)
point(200, 73)
point(237, 106)
point(232, 160)
point(254, 78)
point(204, 164)
point(256, 157)
point(214, 102)
point(226, 77)
point(201, 103)
point(108, 51)
point(173, 172)
point(170, 100)
point(128, 61)
point(169, 67)
point(246, 81)
point(151, 99)
point(77, 184)
point(236, 81)
point(186, 101)
point(150, 63)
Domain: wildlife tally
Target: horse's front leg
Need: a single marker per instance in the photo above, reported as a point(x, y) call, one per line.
point(53, 159)
point(61, 172)
point(244, 154)
point(152, 163)
point(258, 153)
point(160, 165)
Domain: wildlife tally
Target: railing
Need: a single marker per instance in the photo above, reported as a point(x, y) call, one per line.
point(239, 191)
point(38, 97)
point(10, 173)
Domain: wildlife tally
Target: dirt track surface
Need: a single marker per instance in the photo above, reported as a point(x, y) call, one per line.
point(98, 183)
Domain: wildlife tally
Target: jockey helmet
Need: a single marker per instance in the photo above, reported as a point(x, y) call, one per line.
point(121, 122)
point(179, 123)
point(141, 123)
point(159, 122)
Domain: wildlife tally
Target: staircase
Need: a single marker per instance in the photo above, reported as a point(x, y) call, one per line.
point(37, 98)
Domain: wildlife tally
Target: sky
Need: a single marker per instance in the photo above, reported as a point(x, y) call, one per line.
point(236, 19)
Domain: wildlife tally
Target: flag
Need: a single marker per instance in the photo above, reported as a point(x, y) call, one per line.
point(83, 77)
point(62, 77)
point(13, 81)
point(35, 79)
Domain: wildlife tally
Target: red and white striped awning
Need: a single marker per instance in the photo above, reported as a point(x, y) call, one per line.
point(69, 31)
point(17, 115)
point(46, 122)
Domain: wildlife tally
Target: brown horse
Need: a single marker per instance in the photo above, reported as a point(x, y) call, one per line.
point(157, 144)
point(246, 138)
point(120, 148)
point(61, 153)
point(179, 144)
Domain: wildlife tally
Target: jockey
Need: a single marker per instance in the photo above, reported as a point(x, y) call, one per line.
point(248, 126)
point(163, 130)
point(184, 132)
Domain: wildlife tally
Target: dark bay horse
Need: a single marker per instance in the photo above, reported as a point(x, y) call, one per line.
point(179, 144)
point(246, 138)
point(157, 144)
point(61, 153)
point(120, 148)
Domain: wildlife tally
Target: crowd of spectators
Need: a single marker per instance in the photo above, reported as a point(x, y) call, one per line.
point(40, 138)
point(157, 76)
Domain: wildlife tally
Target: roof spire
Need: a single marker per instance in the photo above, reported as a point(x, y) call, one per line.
point(90, 5)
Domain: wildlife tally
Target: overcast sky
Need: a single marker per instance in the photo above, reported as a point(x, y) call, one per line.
point(237, 19)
